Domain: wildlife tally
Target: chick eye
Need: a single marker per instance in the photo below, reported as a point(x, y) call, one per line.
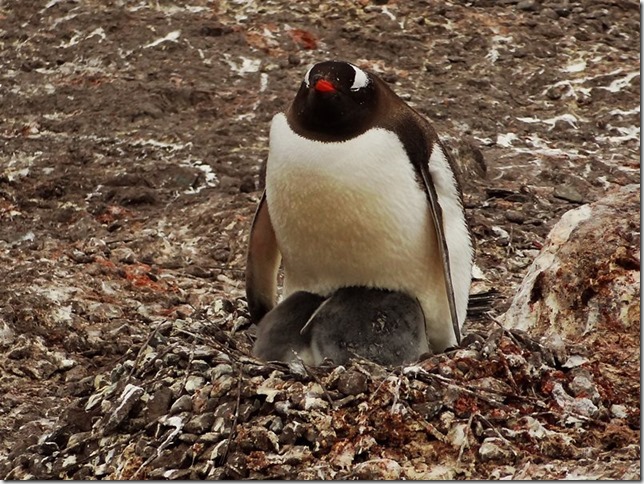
point(360, 78)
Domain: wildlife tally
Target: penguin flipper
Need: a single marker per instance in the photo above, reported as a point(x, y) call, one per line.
point(262, 263)
point(437, 218)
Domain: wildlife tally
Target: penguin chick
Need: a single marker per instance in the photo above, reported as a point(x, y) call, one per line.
point(360, 192)
point(278, 333)
point(379, 325)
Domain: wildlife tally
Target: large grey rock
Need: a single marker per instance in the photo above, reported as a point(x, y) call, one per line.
point(586, 280)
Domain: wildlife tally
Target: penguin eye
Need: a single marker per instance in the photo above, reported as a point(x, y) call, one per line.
point(360, 79)
point(307, 76)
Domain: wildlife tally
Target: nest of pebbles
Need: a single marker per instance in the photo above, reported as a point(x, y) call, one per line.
point(189, 403)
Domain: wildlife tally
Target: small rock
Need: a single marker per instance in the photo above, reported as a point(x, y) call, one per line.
point(210, 437)
point(200, 423)
point(159, 403)
point(574, 361)
point(515, 216)
point(222, 386)
point(294, 60)
point(220, 370)
point(428, 410)
point(219, 450)
point(172, 458)
point(457, 435)
point(291, 432)
point(494, 448)
point(473, 341)
point(618, 411)
point(129, 397)
point(200, 366)
point(582, 385)
point(549, 13)
point(188, 438)
point(378, 469)
point(568, 193)
point(528, 5)
point(445, 421)
point(79, 438)
point(194, 383)
point(352, 383)
point(260, 438)
point(124, 255)
point(182, 404)
point(575, 406)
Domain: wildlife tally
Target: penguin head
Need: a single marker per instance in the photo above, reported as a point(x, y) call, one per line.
point(335, 98)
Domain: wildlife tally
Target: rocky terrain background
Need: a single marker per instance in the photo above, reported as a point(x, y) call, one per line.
point(132, 137)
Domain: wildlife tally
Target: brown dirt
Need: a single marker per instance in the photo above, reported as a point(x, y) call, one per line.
point(130, 165)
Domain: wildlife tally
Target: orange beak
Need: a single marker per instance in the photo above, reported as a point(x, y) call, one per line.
point(324, 86)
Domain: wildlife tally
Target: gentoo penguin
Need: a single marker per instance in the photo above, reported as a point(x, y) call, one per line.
point(379, 325)
point(279, 336)
point(360, 192)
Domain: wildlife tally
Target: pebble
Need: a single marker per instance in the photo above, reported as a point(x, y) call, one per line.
point(583, 385)
point(618, 411)
point(129, 397)
point(200, 366)
point(200, 423)
point(182, 404)
point(220, 370)
point(515, 216)
point(260, 438)
point(159, 403)
point(549, 13)
point(194, 383)
point(493, 448)
point(568, 193)
point(528, 5)
point(377, 470)
point(352, 383)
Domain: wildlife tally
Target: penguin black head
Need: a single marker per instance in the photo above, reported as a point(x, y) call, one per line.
point(335, 99)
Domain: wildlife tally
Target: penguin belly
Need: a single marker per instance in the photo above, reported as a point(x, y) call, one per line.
point(379, 325)
point(353, 213)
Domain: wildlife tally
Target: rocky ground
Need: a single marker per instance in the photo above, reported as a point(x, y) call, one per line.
point(132, 139)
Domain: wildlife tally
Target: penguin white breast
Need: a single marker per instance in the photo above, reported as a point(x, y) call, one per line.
point(350, 213)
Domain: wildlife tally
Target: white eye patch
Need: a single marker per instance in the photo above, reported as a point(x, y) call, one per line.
point(360, 79)
point(306, 77)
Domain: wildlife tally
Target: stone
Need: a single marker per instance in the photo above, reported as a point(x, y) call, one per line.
point(583, 386)
point(586, 278)
point(200, 423)
point(494, 448)
point(568, 193)
point(352, 383)
point(182, 404)
point(378, 469)
point(194, 383)
point(129, 397)
point(618, 411)
point(528, 5)
point(159, 403)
